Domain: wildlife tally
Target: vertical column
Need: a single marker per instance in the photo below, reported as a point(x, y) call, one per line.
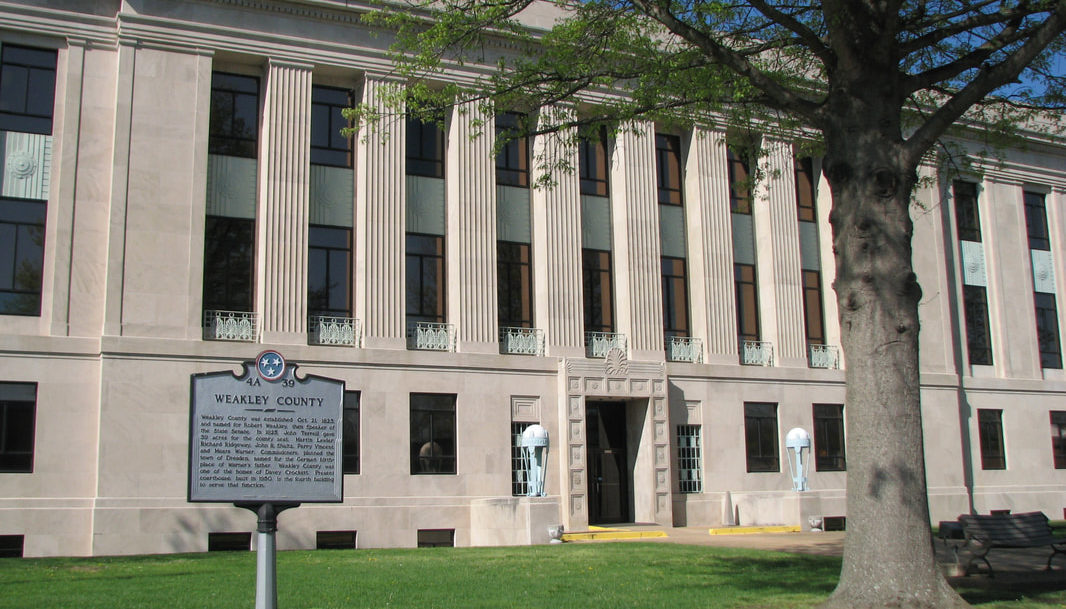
point(557, 241)
point(284, 195)
point(116, 252)
point(55, 302)
point(635, 219)
point(471, 211)
point(778, 260)
point(379, 219)
point(711, 246)
point(938, 339)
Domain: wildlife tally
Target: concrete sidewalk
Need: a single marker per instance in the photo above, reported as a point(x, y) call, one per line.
point(1008, 565)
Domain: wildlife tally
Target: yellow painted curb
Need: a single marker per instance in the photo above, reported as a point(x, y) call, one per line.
point(607, 535)
point(750, 530)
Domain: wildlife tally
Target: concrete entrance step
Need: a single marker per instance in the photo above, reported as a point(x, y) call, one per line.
point(739, 530)
point(613, 533)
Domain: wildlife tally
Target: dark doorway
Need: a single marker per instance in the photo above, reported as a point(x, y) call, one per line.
point(609, 475)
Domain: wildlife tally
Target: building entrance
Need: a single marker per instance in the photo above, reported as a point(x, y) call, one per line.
point(609, 474)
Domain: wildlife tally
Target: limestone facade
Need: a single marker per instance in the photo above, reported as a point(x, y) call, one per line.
point(130, 185)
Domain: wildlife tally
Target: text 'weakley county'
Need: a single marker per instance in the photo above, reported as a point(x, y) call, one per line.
point(262, 400)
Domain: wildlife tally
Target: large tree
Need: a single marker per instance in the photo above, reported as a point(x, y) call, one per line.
point(877, 82)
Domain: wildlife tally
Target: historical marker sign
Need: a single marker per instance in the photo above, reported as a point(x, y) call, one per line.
point(265, 436)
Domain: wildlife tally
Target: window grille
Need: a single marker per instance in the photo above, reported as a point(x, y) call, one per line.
point(519, 468)
point(690, 458)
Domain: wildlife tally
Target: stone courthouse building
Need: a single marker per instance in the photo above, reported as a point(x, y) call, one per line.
point(176, 198)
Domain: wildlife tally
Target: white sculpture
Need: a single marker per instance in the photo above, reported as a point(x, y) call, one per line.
point(535, 448)
point(797, 441)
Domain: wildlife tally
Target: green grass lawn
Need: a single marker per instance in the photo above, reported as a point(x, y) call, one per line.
point(577, 576)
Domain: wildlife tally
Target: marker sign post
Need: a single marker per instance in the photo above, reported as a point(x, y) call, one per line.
point(265, 441)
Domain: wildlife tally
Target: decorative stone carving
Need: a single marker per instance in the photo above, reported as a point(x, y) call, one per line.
point(617, 364)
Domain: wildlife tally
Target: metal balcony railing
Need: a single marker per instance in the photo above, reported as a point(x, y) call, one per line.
point(597, 344)
point(239, 326)
point(521, 341)
point(332, 330)
point(824, 356)
point(684, 349)
point(756, 353)
point(430, 336)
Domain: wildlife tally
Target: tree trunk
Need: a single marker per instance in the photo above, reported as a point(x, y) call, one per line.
point(888, 552)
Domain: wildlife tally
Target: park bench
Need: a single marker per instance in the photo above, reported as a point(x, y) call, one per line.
point(985, 533)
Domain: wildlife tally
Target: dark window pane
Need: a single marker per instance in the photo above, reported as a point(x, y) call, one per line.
point(668, 169)
point(760, 433)
point(812, 307)
point(804, 170)
point(675, 296)
point(329, 271)
point(512, 162)
point(425, 278)
point(425, 149)
point(21, 256)
point(18, 411)
point(747, 302)
point(598, 293)
point(592, 165)
point(27, 89)
point(990, 429)
point(739, 184)
point(1058, 438)
point(1047, 330)
point(228, 263)
point(432, 433)
point(1036, 221)
point(829, 438)
point(978, 337)
point(967, 217)
point(514, 291)
point(328, 146)
point(234, 124)
point(350, 451)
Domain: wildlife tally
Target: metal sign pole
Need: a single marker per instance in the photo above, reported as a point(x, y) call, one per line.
point(266, 573)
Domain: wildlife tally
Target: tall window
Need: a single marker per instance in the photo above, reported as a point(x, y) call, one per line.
point(27, 100)
point(829, 438)
point(1047, 317)
point(329, 271)
point(675, 297)
point(229, 245)
point(596, 282)
point(747, 301)
point(515, 284)
point(432, 433)
point(512, 163)
point(974, 297)
point(668, 168)
point(1058, 438)
point(21, 255)
point(425, 149)
point(519, 478)
point(592, 165)
point(27, 89)
point(690, 458)
point(18, 414)
point(328, 146)
point(990, 429)
point(350, 429)
point(1047, 330)
point(229, 242)
point(425, 278)
point(671, 229)
point(234, 129)
point(812, 307)
point(760, 437)
point(804, 170)
point(739, 183)
point(978, 336)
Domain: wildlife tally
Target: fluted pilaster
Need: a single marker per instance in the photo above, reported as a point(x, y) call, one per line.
point(635, 219)
point(284, 195)
point(777, 239)
point(380, 199)
point(471, 243)
point(557, 247)
point(711, 246)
